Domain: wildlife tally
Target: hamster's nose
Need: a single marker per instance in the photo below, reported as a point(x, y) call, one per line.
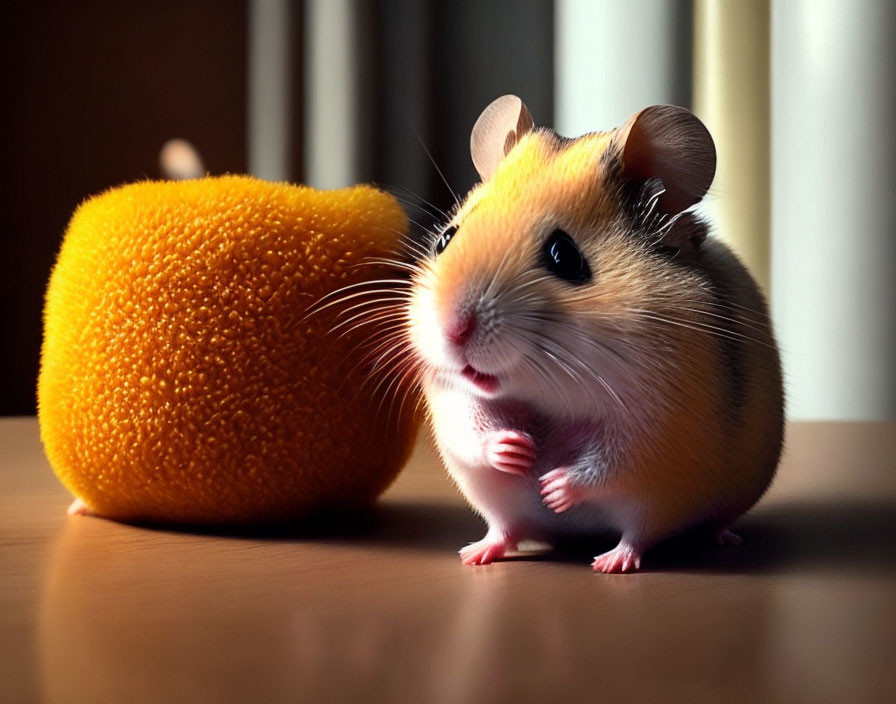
point(459, 328)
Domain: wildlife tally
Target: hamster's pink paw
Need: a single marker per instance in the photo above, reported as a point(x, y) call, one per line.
point(510, 451)
point(623, 558)
point(558, 491)
point(487, 550)
point(79, 508)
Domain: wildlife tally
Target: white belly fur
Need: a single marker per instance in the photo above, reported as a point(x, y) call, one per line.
point(505, 500)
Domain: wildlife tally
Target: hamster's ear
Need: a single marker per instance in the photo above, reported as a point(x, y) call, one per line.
point(498, 129)
point(668, 143)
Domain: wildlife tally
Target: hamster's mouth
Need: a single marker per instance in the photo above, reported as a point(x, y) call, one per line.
point(483, 382)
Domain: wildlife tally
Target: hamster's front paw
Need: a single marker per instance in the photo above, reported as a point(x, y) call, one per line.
point(558, 491)
point(510, 451)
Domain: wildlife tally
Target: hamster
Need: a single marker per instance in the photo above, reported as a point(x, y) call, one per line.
point(590, 360)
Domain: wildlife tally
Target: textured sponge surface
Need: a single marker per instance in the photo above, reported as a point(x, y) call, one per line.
point(180, 377)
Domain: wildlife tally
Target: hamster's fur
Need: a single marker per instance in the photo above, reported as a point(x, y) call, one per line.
point(591, 361)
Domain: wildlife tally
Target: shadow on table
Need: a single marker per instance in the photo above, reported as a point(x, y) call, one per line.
point(778, 538)
point(795, 536)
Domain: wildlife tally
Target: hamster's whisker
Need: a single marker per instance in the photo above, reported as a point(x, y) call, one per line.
point(590, 372)
point(564, 367)
point(375, 261)
point(517, 288)
point(415, 205)
point(406, 239)
point(390, 346)
point(435, 209)
point(421, 400)
point(380, 327)
point(600, 345)
point(438, 170)
point(411, 383)
point(697, 326)
point(359, 284)
point(609, 389)
point(730, 306)
point(401, 372)
point(545, 375)
point(325, 301)
point(373, 313)
point(548, 383)
point(385, 393)
point(397, 371)
point(395, 377)
point(568, 353)
point(651, 202)
point(403, 254)
point(373, 368)
point(384, 331)
point(370, 308)
point(660, 229)
point(418, 249)
point(488, 294)
point(391, 337)
point(737, 321)
point(397, 292)
point(691, 325)
point(397, 322)
point(393, 354)
point(395, 299)
point(409, 244)
point(392, 342)
point(540, 318)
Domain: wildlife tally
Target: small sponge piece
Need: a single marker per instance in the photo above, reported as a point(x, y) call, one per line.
point(181, 380)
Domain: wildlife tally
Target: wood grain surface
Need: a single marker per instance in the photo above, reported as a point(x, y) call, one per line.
point(379, 608)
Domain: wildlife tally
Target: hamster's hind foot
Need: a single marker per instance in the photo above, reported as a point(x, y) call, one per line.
point(623, 558)
point(490, 548)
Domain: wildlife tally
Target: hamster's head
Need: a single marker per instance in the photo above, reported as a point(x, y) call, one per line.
point(542, 284)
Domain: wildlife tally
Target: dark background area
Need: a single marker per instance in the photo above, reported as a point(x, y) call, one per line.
point(93, 90)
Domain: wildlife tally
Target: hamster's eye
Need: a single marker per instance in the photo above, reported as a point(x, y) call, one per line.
point(563, 258)
point(444, 239)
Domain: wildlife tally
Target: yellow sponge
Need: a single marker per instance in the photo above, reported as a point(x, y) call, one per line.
point(180, 378)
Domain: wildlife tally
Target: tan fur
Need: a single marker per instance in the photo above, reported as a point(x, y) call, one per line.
point(700, 433)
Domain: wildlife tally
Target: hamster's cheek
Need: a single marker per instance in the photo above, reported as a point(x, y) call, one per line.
point(424, 331)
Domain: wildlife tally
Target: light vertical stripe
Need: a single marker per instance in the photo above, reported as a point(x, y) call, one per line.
point(269, 118)
point(333, 103)
point(614, 58)
point(833, 210)
point(731, 96)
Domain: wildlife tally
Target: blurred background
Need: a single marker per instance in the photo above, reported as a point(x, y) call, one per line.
point(799, 95)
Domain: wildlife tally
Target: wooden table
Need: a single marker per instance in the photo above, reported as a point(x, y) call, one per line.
point(382, 610)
